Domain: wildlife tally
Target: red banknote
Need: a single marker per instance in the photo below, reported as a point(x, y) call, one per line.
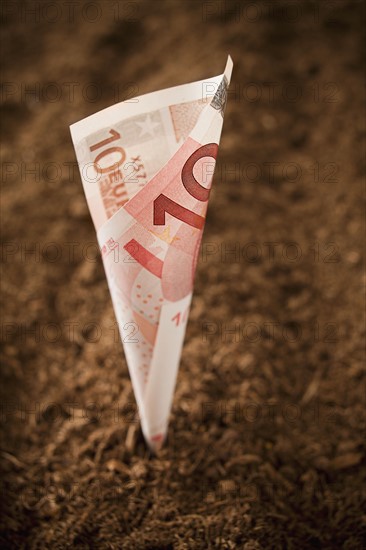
point(147, 166)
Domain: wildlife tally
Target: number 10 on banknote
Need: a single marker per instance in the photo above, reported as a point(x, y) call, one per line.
point(147, 169)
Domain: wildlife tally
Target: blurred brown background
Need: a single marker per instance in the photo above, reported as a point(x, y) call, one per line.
point(266, 436)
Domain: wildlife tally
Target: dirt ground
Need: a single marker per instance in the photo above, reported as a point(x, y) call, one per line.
point(265, 444)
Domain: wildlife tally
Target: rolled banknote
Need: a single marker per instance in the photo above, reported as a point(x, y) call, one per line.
point(146, 166)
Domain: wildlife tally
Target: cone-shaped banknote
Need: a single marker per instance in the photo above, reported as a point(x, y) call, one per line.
point(147, 165)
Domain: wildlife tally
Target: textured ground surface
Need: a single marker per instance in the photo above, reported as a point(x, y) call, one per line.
point(265, 444)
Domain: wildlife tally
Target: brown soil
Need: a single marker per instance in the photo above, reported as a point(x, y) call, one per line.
point(265, 443)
